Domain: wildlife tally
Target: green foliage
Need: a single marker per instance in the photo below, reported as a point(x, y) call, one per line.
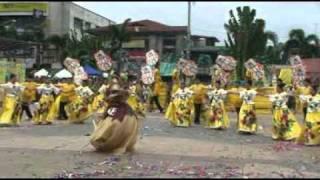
point(299, 43)
point(246, 37)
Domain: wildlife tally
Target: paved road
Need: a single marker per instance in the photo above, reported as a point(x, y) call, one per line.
point(164, 151)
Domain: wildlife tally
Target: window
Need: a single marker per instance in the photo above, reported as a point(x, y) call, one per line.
point(87, 25)
point(77, 23)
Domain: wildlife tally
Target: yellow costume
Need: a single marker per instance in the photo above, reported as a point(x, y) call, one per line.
point(11, 109)
point(67, 92)
point(199, 94)
point(47, 110)
point(134, 101)
point(117, 131)
point(99, 103)
point(284, 125)
point(217, 116)
point(175, 81)
point(302, 90)
point(157, 83)
point(80, 109)
point(30, 91)
point(311, 132)
point(179, 109)
point(247, 115)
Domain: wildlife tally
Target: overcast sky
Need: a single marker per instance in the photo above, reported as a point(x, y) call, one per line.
point(208, 17)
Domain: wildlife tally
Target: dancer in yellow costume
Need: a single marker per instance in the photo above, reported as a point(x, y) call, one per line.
point(11, 109)
point(29, 96)
point(247, 115)
point(180, 107)
point(303, 90)
point(117, 130)
point(175, 80)
point(47, 110)
point(134, 100)
point(311, 129)
point(67, 95)
point(156, 89)
point(80, 110)
point(217, 116)
point(284, 124)
point(199, 93)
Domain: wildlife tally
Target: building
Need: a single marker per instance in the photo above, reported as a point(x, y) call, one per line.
point(59, 17)
point(147, 34)
point(51, 18)
point(312, 66)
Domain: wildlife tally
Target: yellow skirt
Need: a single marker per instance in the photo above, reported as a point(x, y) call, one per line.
point(175, 87)
point(284, 125)
point(137, 107)
point(11, 112)
point(180, 117)
point(217, 118)
point(247, 119)
point(47, 111)
point(114, 136)
point(78, 111)
point(310, 134)
point(98, 104)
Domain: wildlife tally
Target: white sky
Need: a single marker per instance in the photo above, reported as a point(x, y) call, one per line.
point(208, 18)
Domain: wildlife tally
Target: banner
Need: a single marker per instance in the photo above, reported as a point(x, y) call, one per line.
point(152, 58)
point(3, 71)
point(147, 76)
point(23, 6)
point(21, 72)
point(188, 67)
point(104, 62)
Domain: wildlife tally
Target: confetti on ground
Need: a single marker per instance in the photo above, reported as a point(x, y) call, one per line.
point(285, 146)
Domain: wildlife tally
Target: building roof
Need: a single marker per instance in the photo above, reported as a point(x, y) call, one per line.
point(144, 26)
point(206, 37)
point(312, 65)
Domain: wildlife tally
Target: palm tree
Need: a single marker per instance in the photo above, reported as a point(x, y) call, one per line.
point(299, 43)
point(246, 37)
point(118, 36)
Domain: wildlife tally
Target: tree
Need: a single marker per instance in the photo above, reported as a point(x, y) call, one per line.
point(118, 36)
point(299, 43)
point(60, 44)
point(246, 37)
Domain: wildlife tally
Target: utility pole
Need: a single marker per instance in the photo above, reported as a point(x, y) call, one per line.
point(189, 30)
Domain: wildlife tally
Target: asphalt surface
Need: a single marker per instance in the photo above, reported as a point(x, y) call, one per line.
point(62, 150)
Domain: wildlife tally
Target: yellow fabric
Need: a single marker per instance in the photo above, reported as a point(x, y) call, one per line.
point(217, 117)
point(133, 101)
point(175, 81)
point(114, 136)
point(286, 75)
point(29, 93)
point(179, 112)
point(99, 104)
point(67, 92)
point(199, 91)
point(246, 123)
point(249, 74)
point(46, 112)
point(78, 110)
point(302, 90)
point(281, 131)
point(157, 83)
point(11, 112)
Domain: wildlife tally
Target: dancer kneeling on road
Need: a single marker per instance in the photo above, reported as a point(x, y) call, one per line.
point(180, 107)
point(117, 130)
